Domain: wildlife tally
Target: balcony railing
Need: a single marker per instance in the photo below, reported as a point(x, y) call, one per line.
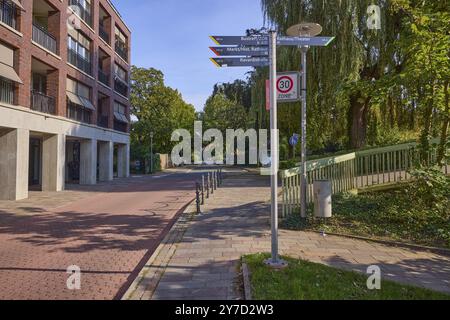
point(121, 50)
point(79, 62)
point(120, 87)
point(103, 33)
point(81, 11)
point(8, 13)
point(78, 113)
point(6, 91)
point(103, 121)
point(103, 77)
point(44, 38)
point(42, 103)
point(120, 126)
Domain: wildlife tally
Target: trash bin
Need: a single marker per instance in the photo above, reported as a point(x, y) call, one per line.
point(322, 199)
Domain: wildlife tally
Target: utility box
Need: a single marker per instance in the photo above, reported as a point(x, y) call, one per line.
point(322, 199)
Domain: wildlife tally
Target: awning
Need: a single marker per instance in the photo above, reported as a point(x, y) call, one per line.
point(83, 102)
point(74, 98)
point(18, 4)
point(8, 72)
point(87, 104)
point(120, 117)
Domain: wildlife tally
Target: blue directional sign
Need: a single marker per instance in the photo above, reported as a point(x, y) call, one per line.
point(251, 51)
point(264, 41)
point(241, 62)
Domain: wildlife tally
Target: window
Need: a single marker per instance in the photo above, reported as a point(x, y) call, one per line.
point(119, 112)
point(8, 76)
point(121, 44)
point(120, 73)
point(83, 9)
point(120, 80)
point(79, 53)
point(79, 105)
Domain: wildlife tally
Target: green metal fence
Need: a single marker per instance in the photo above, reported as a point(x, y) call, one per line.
point(353, 171)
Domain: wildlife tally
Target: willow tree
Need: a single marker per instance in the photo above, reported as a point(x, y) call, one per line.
point(343, 76)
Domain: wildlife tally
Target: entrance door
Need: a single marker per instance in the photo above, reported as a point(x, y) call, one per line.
point(34, 172)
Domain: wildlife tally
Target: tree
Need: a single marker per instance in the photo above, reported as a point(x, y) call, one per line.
point(158, 109)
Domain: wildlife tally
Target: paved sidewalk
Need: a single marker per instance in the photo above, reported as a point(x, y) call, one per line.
point(201, 257)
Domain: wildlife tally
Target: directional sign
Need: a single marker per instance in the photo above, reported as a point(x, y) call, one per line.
point(288, 86)
point(264, 41)
point(240, 41)
point(241, 62)
point(305, 41)
point(241, 51)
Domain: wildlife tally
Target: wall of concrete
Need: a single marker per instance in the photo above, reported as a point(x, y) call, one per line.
point(14, 158)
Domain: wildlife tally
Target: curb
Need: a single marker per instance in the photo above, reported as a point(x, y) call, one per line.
point(443, 251)
point(145, 284)
point(246, 281)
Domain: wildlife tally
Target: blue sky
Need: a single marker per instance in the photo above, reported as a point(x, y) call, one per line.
point(173, 36)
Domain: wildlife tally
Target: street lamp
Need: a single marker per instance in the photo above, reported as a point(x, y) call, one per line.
point(304, 30)
point(151, 152)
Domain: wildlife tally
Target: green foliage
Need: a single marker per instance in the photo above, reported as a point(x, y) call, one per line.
point(394, 215)
point(304, 280)
point(369, 87)
point(431, 187)
point(222, 113)
point(159, 109)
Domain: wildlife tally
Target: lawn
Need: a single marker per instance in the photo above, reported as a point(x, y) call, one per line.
point(391, 215)
point(303, 280)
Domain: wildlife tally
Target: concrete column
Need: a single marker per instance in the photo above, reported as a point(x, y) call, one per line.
point(106, 160)
point(88, 162)
point(123, 160)
point(14, 164)
point(53, 162)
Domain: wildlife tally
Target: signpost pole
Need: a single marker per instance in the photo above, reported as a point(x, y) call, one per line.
point(303, 179)
point(275, 260)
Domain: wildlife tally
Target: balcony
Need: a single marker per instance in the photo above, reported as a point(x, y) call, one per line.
point(120, 87)
point(81, 63)
point(6, 91)
point(103, 77)
point(42, 103)
point(81, 11)
point(77, 113)
point(103, 33)
point(103, 121)
point(44, 38)
point(121, 50)
point(120, 126)
point(8, 13)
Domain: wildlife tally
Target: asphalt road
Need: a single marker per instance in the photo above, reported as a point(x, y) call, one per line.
point(108, 235)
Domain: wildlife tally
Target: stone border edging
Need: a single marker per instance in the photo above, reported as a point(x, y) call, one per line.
point(154, 269)
point(390, 242)
point(246, 281)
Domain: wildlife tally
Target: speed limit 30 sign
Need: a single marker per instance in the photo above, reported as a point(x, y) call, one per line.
point(288, 86)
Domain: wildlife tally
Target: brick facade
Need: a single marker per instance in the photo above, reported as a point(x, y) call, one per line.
point(26, 50)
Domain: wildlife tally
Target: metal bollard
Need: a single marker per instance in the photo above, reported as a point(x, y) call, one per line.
point(197, 196)
point(203, 189)
point(218, 178)
point(215, 180)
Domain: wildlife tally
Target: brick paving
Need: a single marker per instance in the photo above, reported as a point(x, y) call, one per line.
point(202, 255)
point(109, 231)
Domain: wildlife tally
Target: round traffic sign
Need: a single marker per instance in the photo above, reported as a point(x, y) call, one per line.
point(285, 84)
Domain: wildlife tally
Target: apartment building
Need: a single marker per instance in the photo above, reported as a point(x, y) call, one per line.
point(64, 95)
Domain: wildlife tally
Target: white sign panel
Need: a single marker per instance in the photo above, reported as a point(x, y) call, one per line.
point(288, 86)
